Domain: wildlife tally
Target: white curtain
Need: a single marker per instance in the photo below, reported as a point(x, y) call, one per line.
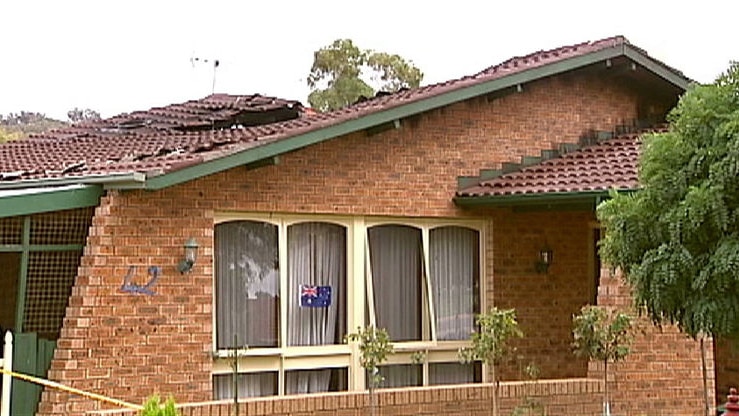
point(401, 375)
point(454, 264)
point(249, 385)
point(451, 373)
point(395, 258)
point(307, 381)
point(316, 257)
point(247, 284)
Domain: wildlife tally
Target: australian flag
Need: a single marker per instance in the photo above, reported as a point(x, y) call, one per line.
point(315, 296)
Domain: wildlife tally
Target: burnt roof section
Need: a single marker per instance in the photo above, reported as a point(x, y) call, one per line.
point(180, 142)
point(215, 111)
point(151, 142)
point(609, 164)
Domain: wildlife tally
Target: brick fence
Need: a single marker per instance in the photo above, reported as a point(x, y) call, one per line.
point(567, 397)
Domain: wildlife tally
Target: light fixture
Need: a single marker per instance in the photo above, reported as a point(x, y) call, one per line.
point(191, 254)
point(544, 260)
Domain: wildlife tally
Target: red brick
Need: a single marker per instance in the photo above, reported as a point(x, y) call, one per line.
point(411, 171)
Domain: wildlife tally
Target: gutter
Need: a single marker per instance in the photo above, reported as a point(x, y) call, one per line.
point(538, 199)
point(134, 180)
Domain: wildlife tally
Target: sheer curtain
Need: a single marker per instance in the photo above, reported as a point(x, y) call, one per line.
point(401, 375)
point(395, 259)
point(451, 373)
point(317, 257)
point(454, 264)
point(247, 284)
point(249, 385)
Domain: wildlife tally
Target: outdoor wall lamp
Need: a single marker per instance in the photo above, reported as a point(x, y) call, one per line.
point(544, 260)
point(191, 254)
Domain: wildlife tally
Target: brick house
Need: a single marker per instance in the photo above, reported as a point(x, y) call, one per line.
point(410, 211)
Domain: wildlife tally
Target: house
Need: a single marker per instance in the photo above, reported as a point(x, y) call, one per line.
point(152, 247)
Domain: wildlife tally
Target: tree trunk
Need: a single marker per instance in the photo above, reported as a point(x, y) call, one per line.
point(705, 380)
point(373, 399)
point(495, 391)
point(606, 404)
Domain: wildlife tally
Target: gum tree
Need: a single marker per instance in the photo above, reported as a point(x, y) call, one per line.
point(342, 73)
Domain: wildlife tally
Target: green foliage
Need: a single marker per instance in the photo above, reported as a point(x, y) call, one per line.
point(336, 80)
point(15, 126)
point(677, 239)
point(418, 357)
point(494, 331)
point(154, 407)
point(601, 334)
point(605, 335)
point(530, 405)
point(7, 135)
point(374, 347)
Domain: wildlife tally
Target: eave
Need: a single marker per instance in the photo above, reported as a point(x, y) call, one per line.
point(548, 200)
point(37, 200)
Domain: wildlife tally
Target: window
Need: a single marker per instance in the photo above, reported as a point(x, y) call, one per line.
point(455, 280)
point(316, 257)
point(356, 272)
point(247, 284)
point(397, 279)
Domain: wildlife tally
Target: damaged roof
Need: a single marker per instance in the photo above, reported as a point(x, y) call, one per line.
point(180, 142)
point(149, 142)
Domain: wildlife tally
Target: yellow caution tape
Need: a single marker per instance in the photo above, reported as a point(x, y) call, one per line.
point(55, 385)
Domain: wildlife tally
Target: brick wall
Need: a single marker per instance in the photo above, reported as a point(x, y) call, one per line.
point(128, 346)
point(662, 375)
point(544, 302)
point(558, 398)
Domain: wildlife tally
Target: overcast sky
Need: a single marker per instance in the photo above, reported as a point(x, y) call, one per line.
point(121, 56)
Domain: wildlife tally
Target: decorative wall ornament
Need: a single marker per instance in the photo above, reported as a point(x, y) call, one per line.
point(129, 286)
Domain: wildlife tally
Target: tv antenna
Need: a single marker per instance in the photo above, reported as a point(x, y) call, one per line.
point(215, 62)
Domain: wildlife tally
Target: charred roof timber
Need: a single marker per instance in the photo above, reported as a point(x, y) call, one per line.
point(215, 112)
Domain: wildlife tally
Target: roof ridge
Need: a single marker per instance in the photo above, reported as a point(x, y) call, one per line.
point(507, 67)
point(612, 41)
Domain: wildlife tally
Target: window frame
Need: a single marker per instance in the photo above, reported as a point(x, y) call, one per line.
point(285, 358)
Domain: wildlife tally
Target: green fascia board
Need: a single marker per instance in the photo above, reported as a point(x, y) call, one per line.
point(374, 119)
point(534, 199)
point(464, 182)
point(17, 248)
point(657, 68)
point(38, 200)
point(127, 180)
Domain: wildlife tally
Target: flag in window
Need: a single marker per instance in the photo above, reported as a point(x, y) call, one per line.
point(315, 296)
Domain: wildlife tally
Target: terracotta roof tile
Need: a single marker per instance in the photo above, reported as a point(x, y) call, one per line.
point(610, 164)
point(165, 139)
